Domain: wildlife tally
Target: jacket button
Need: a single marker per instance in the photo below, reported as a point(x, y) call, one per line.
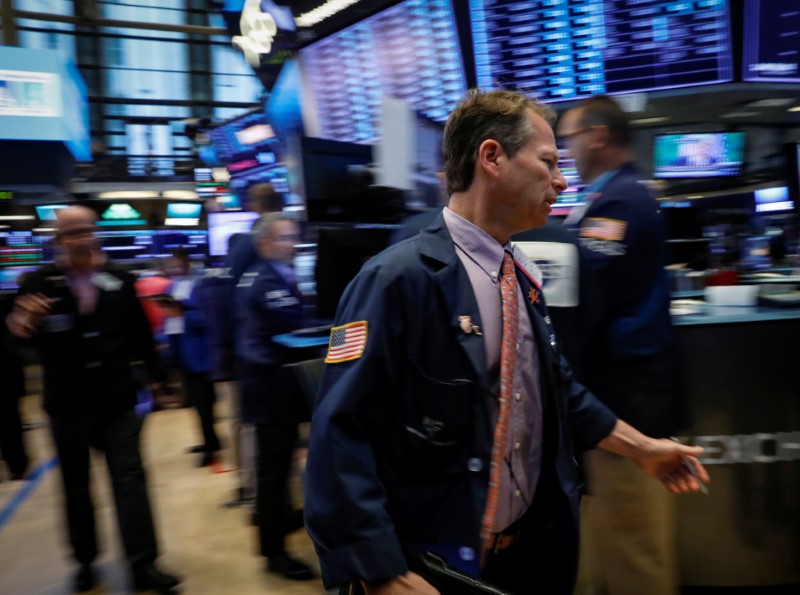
point(474, 465)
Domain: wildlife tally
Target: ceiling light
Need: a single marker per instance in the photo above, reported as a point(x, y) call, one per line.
point(794, 109)
point(740, 114)
point(16, 217)
point(653, 120)
point(179, 194)
point(128, 194)
point(322, 12)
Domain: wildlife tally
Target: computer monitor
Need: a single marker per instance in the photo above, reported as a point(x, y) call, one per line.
point(698, 155)
point(222, 225)
point(341, 253)
point(771, 200)
point(185, 214)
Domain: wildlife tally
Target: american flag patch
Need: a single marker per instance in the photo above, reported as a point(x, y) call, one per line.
point(612, 230)
point(347, 342)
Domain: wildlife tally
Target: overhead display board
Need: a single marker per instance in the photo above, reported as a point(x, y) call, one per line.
point(771, 46)
point(566, 49)
point(409, 51)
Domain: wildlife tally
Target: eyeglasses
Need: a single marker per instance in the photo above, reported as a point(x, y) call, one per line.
point(568, 137)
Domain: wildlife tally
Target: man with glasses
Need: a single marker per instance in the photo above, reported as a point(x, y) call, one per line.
point(83, 316)
point(625, 352)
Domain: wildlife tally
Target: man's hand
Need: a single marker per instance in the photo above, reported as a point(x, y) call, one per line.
point(408, 583)
point(28, 314)
point(672, 463)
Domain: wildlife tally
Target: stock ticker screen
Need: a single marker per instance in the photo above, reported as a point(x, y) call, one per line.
point(409, 51)
point(566, 49)
point(771, 41)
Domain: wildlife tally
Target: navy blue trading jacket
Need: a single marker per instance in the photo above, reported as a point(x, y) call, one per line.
point(401, 438)
point(625, 340)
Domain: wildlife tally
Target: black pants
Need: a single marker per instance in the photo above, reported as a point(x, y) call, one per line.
point(12, 446)
point(273, 463)
point(201, 395)
point(118, 438)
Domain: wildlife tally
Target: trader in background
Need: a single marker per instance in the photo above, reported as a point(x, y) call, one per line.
point(625, 353)
point(83, 316)
point(446, 408)
point(268, 303)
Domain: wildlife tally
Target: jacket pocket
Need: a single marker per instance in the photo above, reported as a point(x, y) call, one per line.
point(437, 421)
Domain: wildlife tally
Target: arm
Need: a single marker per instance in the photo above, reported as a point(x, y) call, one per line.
point(347, 511)
point(663, 459)
point(29, 310)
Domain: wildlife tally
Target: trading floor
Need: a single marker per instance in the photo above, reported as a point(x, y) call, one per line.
point(213, 548)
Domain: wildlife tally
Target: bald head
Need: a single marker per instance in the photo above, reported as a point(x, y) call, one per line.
point(75, 220)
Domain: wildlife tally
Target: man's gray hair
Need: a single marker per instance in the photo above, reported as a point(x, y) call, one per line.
point(263, 226)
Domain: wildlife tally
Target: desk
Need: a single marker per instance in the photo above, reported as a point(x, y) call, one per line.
point(741, 375)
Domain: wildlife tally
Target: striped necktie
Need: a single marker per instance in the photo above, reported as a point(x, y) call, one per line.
point(508, 361)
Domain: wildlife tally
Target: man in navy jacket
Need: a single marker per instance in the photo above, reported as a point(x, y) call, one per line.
point(268, 303)
point(624, 352)
point(401, 442)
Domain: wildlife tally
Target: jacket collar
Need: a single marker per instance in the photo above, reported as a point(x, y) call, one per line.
point(453, 282)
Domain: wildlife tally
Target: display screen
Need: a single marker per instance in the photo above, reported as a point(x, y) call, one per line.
point(564, 49)
point(48, 212)
point(19, 248)
point(10, 277)
point(771, 46)
point(130, 245)
point(769, 200)
point(244, 142)
point(187, 210)
point(573, 195)
point(698, 155)
point(224, 224)
point(409, 51)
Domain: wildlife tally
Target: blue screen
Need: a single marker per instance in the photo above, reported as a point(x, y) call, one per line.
point(698, 155)
point(244, 142)
point(183, 210)
point(48, 212)
point(565, 49)
point(769, 200)
point(409, 51)
point(771, 46)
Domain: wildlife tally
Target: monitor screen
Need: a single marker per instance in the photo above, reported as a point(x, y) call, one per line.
point(576, 48)
point(127, 244)
point(409, 51)
point(224, 224)
point(19, 248)
point(48, 212)
point(770, 200)
point(10, 276)
point(573, 195)
point(771, 44)
point(184, 210)
point(120, 213)
point(244, 142)
point(698, 155)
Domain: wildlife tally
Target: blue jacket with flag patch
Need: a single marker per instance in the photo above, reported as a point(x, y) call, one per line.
point(625, 342)
point(402, 435)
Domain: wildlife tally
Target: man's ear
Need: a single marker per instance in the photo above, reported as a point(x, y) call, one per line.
point(601, 136)
point(490, 154)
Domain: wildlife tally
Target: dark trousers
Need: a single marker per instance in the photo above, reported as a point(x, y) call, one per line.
point(12, 446)
point(118, 438)
point(200, 393)
point(273, 464)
